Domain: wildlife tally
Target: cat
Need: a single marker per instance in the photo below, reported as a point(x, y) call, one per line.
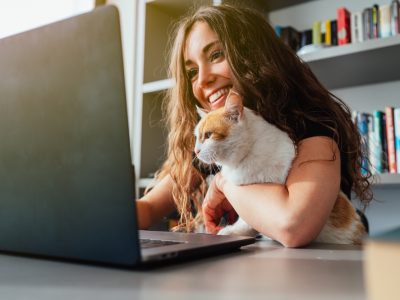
point(250, 150)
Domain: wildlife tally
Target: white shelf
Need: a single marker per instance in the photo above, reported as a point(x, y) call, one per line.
point(157, 86)
point(386, 180)
point(356, 64)
point(144, 182)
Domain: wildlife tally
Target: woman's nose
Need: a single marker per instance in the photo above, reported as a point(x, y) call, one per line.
point(206, 76)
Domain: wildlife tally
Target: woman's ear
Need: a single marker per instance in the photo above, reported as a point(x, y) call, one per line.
point(201, 112)
point(234, 106)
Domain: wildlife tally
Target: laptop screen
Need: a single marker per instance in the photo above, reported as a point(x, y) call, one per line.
point(66, 179)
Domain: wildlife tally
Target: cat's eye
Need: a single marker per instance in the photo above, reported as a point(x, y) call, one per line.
point(207, 135)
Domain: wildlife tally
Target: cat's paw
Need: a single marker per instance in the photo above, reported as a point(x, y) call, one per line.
point(227, 230)
point(231, 230)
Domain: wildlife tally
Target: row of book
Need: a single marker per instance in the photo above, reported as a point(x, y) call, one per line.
point(349, 27)
point(380, 131)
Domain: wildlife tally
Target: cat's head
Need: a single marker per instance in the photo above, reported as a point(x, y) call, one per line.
point(218, 131)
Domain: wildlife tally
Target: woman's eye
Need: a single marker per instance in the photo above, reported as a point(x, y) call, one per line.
point(216, 54)
point(191, 73)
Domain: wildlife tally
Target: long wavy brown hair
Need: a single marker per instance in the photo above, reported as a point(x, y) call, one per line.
point(273, 81)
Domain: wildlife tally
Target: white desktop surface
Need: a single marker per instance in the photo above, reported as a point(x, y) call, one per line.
point(264, 270)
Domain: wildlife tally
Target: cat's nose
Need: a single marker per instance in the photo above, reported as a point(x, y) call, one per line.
point(197, 151)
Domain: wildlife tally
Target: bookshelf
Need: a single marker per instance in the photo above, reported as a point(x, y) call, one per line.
point(363, 63)
point(367, 63)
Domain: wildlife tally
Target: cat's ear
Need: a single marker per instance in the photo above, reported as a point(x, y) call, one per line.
point(234, 106)
point(201, 112)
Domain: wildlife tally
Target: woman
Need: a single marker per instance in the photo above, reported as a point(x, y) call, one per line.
point(220, 48)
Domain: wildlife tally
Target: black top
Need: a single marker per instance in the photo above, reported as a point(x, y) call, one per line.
point(316, 129)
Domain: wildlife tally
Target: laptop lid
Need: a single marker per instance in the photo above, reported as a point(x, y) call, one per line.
point(66, 179)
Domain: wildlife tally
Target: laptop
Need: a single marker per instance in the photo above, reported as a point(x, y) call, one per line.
point(67, 184)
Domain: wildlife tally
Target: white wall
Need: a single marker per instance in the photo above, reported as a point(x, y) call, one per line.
point(127, 12)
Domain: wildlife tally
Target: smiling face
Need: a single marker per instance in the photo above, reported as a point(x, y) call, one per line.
point(207, 67)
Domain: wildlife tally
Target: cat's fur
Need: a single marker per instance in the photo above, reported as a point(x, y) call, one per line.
point(251, 150)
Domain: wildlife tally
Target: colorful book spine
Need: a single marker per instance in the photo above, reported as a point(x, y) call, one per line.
point(343, 26)
point(367, 23)
point(328, 33)
point(362, 125)
point(396, 122)
point(375, 21)
point(395, 17)
point(392, 165)
point(375, 142)
point(356, 25)
point(384, 21)
point(316, 33)
point(384, 145)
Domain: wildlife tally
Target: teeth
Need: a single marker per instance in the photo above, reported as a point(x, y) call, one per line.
point(218, 94)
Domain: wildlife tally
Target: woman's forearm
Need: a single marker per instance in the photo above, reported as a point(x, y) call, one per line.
point(271, 210)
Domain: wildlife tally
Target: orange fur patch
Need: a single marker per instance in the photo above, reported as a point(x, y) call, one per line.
point(216, 124)
point(343, 212)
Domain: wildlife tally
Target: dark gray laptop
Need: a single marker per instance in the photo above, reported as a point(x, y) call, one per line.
point(66, 178)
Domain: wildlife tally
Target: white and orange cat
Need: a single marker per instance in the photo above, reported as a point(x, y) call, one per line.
point(250, 150)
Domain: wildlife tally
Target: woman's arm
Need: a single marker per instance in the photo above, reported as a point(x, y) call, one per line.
point(156, 204)
point(295, 213)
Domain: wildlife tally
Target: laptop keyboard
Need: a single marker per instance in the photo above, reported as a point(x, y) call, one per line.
point(148, 243)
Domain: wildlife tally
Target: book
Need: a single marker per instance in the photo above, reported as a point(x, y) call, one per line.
point(396, 125)
point(375, 21)
point(395, 17)
point(305, 38)
point(382, 265)
point(391, 148)
point(328, 33)
point(384, 21)
point(362, 120)
point(367, 23)
point(278, 30)
point(356, 25)
point(343, 26)
point(316, 33)
point(334, 40)
point(375, 141)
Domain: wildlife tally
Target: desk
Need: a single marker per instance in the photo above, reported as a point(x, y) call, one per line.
point(264, 270)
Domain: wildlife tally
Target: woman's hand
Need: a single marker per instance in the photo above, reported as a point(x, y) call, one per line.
point(216, 206)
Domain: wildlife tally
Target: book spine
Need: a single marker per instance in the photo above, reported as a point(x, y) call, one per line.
point(392, 165)
point(394, 17)
point(356, 26)
point(384, 25)
point(371, 144)
point(305, 38)
point(362, 125)
point(328, 33)
point(278, 30)
point(343, 26)
point(375, 21)
point(334, 37)
point(396, 122)
point(367, 22)
point(385, 167)
point(316, 29)
point(376, 142)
